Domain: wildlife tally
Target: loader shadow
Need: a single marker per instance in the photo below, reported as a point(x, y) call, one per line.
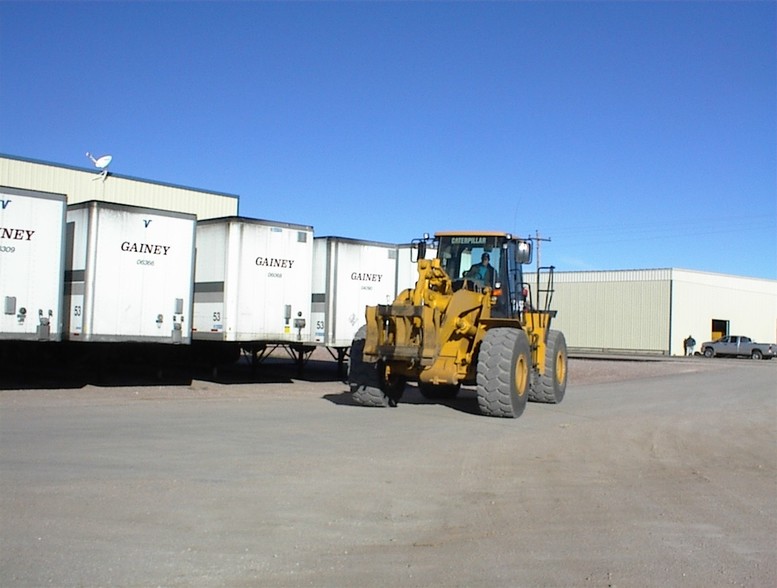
point(465, 402)
point(270, 372)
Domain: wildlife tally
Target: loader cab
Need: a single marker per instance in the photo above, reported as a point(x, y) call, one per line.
point(461, 256)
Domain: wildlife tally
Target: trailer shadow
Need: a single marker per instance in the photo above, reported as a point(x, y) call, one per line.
point(45, 371)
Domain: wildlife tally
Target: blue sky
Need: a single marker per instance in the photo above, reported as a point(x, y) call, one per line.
point(633, 134)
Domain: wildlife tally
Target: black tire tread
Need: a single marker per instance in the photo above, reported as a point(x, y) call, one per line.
point(544, 388)
point(494, 372)
point(363, 379)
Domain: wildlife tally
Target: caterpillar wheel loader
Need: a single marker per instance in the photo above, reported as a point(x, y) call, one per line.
point(471, 319)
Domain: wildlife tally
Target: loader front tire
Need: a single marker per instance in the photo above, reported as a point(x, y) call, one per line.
point(363, 378)
point(504, 366)
point(549, 387)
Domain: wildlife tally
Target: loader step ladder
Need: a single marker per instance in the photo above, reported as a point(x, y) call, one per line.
point(540, 314)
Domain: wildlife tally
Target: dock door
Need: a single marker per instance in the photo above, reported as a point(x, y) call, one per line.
point(719, 329)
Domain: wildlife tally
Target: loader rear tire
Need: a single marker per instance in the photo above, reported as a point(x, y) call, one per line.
point(550, 386)
point(504, 365)
point(363, 378)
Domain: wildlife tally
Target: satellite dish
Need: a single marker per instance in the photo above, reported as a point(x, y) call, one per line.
point(101, 163)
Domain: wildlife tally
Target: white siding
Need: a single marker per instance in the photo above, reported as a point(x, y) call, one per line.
point(82, 185)
point(748, 304)
point(653, 310)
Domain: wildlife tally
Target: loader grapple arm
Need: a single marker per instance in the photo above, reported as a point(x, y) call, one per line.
point(430, 332)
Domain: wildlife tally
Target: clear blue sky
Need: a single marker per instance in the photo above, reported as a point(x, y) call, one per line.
point(634, 135)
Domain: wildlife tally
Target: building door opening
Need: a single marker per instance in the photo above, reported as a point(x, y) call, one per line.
point(719, 329)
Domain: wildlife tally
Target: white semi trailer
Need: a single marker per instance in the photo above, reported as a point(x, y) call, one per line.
point(348, 276)
point(31, 264)
point(129, 274)
point(252, 285)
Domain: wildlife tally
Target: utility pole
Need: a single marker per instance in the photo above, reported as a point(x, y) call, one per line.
point(538, 240)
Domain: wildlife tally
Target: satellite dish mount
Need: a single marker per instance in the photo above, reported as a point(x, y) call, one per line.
point(101, 163)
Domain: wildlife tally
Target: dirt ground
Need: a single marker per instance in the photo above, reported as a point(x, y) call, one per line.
point(650, 473)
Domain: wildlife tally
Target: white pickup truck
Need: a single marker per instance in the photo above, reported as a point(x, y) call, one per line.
point(738, 346)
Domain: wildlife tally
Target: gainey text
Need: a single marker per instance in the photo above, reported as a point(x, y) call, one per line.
point(366, 277)
point(274, 262)
point(16, 234)
point(149, 248)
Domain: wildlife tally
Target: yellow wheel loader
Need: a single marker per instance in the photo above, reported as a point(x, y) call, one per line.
point(471, 319)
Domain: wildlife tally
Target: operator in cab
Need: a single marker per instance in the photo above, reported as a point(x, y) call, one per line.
point(482, 271)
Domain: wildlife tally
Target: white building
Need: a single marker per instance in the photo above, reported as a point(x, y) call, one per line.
point(654, 310)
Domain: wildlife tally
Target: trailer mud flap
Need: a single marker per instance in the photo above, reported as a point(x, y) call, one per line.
point(177, 334)
point(44, 329)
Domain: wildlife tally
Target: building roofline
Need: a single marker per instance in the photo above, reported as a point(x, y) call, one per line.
point(115, 175)
point(672, 271)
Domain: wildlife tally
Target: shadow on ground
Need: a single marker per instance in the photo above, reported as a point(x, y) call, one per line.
point(465, 402)
point(72, 373)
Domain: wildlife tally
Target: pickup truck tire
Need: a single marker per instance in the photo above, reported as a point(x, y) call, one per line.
point(709, 352)
point(363, 378)
point(503, 373)
point(757, 354)
point(552, 384)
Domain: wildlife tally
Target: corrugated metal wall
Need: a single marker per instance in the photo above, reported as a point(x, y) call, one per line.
point(82, 185)
point(613, 310)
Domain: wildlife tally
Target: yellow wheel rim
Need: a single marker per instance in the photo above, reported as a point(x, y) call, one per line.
point(521, 375)
point(561, 368)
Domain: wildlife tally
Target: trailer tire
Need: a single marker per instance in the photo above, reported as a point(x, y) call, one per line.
point(550, 386)
point(363, 379)
point(503, 369)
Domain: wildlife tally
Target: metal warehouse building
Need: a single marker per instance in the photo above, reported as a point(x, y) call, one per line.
point(654, 310)
point(80, 185)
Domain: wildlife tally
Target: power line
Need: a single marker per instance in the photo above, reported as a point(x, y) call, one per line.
point(625, 233)
point(701, 224)
point(538, 240)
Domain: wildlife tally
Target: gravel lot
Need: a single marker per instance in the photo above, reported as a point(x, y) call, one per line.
point(650, 473)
